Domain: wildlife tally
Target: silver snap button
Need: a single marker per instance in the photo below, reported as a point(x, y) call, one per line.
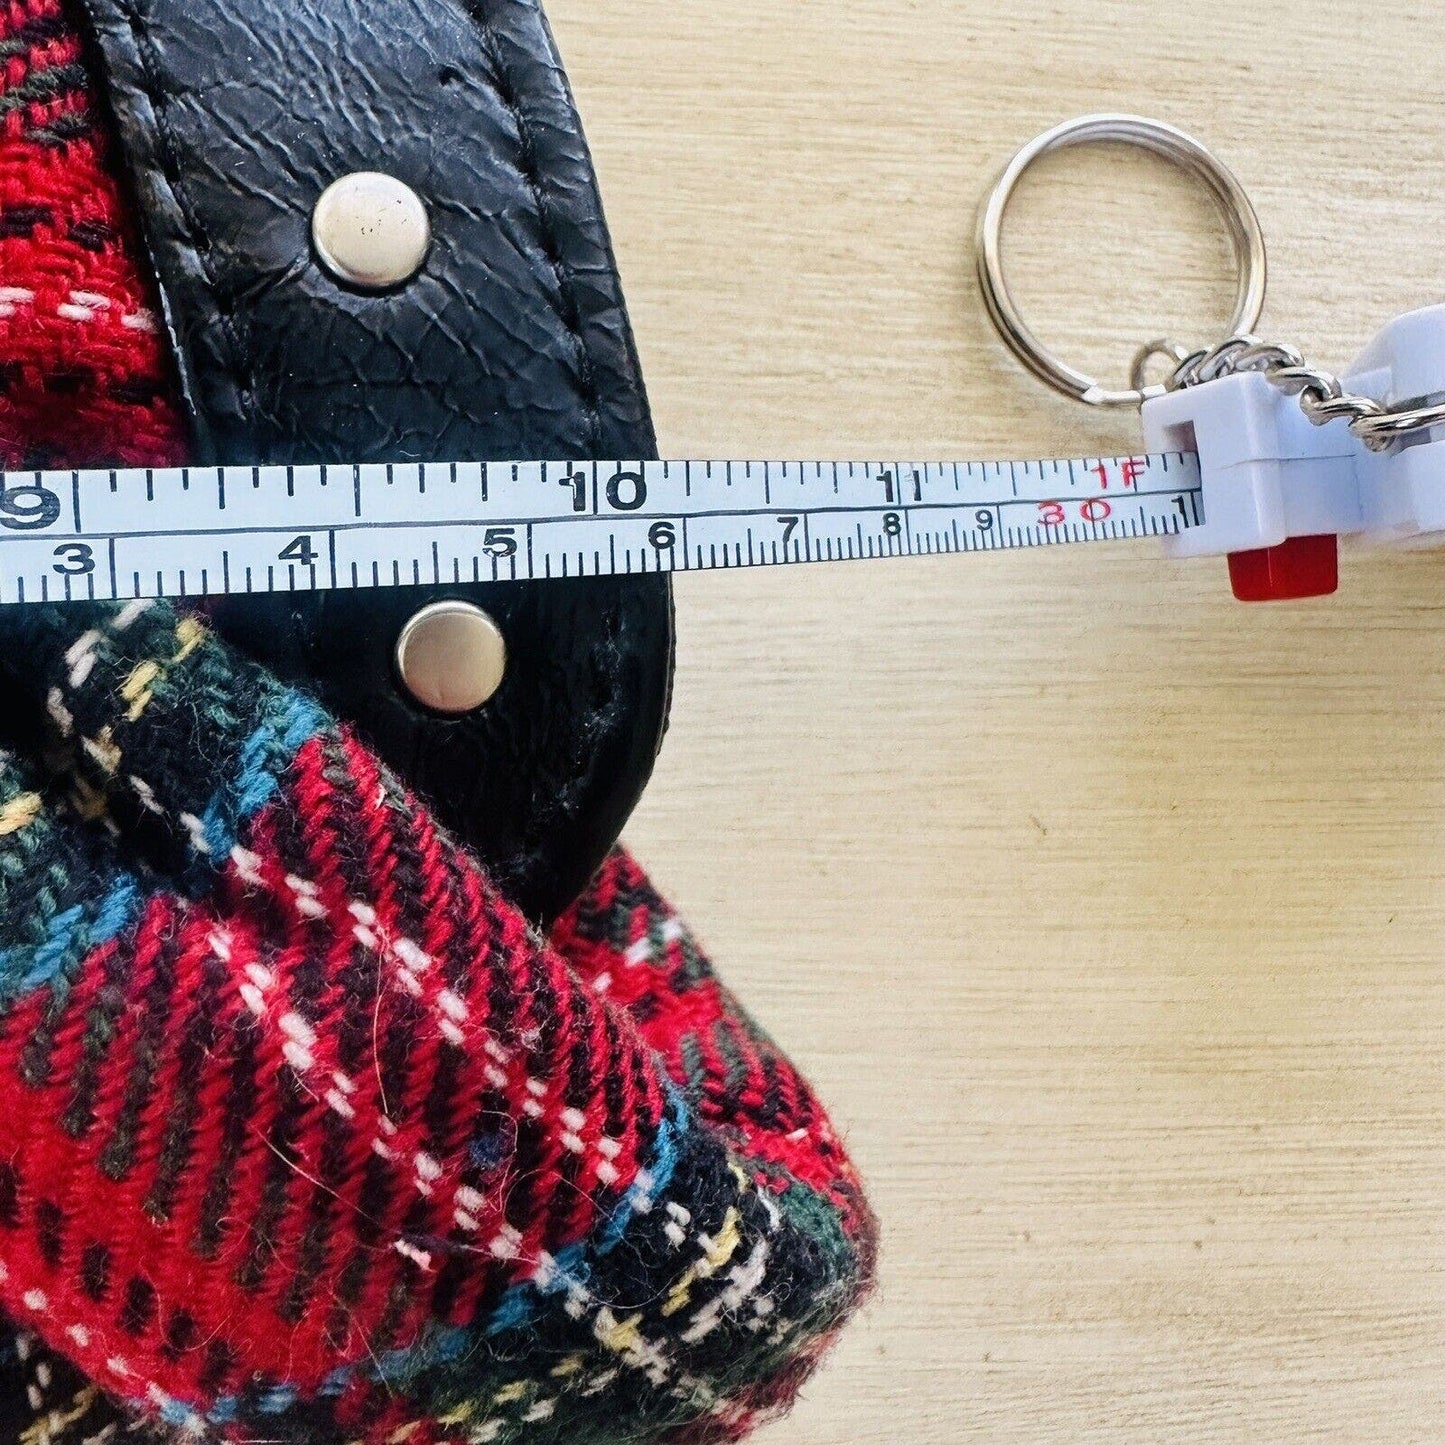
point(370, 230)
point(451, 657)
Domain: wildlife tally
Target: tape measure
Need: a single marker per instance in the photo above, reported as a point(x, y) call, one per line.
point(196, 531)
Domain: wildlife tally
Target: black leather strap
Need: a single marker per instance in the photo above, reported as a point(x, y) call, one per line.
point(512, 341)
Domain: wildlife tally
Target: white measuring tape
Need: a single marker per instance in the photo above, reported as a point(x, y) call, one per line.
point(195, 531)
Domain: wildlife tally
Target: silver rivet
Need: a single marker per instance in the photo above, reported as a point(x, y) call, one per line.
point(370, 230)
point(451, 657)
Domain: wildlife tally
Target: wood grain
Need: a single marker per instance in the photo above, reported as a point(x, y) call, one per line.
point(1105, 912)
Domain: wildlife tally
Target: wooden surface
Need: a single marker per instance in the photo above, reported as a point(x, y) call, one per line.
point(1106, 913)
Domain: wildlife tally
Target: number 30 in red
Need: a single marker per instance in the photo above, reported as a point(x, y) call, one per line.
point(1096, 509)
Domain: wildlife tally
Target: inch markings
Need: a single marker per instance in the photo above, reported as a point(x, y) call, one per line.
point(149, 532)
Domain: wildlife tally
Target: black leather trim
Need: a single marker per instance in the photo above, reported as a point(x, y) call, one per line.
point(513, 341)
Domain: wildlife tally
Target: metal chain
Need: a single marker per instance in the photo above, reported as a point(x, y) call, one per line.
point(1321, 397)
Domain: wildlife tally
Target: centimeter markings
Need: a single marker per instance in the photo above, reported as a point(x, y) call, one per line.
point(192, 531)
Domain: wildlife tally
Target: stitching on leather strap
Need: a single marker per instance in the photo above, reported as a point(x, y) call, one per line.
point(196, 241)
point(569, 313)
point(567, 307)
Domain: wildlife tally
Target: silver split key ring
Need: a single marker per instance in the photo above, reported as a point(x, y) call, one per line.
point(1196, 161)
point(1320, 394)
